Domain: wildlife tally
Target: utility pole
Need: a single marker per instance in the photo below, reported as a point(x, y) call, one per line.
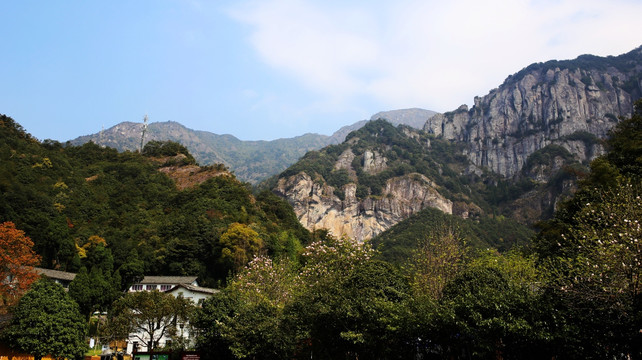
point(100, 137)
point(142, 135)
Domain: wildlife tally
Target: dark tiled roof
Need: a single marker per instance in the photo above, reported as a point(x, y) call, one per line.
point(168, 280)
point(56, 274)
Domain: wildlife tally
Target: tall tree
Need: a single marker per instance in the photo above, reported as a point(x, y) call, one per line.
point(46, 321)
point(592, 249)
point(17, 260)
point(490, 316)
point(598, 284)
point(240, 243)
point(437, 260)
point(147, 316)
point(80, 290)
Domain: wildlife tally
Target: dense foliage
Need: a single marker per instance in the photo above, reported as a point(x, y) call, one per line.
point(46, 321)
point(575, 294)
point(120, 218)
point(148, 316)
point(434, 286)
point(252, 161)
point(624, 63)
point(156, 148)
point(397, 243)
point(592, 249)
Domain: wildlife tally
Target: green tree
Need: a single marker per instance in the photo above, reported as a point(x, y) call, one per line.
point(489, 316)
point(349, 303)
point(148, 316)
point(591, 248)
point(436, 261)
point(248, 317)
point(80, 290)
point(46, 321)
point(624, 145)
point(211, 321)
point(598, 283)
point(240, 243)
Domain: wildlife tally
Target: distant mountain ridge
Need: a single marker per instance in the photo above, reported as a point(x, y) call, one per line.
point(516, 152)
point(251, 161)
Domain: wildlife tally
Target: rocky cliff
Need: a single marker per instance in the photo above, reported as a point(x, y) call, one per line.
point(317, 206)
point(545, 104)
point(516, 152)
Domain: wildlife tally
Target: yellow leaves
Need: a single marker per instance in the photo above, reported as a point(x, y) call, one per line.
point(81, 251)
point(91, 243)
point(436, 261)
point(60, 185)
point(46, 163)
point(240, 244)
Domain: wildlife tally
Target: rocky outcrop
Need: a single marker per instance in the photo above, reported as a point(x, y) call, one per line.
point(541, 105)
point(345, 163)
point(533, 130)
point(189, 176)
point(316, 205)
point(373, 162)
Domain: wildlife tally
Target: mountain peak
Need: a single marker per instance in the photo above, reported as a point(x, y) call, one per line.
point(414, 117)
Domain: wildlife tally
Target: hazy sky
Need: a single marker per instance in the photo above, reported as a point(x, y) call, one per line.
point(279, 68)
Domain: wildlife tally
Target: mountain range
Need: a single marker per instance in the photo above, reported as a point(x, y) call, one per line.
point(515, 153)
point(251, 161)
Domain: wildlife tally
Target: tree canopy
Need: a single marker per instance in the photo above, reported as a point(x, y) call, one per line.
point(46, 321)
point(17, 260)
point(147, 316)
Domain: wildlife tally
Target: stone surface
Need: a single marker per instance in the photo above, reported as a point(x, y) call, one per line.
point(537, 108)
point(373, 162)
point(316, 205)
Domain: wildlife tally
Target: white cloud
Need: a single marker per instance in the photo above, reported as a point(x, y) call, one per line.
point(435, 54)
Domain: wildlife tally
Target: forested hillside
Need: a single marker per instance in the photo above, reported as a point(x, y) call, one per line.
point(251, 161)
point(514, 155)
point(572, 293)
point(86, 206)
point(383, 174)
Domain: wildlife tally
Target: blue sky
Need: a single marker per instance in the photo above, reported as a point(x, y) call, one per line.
point(261, 70)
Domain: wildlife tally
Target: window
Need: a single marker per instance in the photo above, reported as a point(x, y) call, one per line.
point(165, 287)
point(137, 287)
point(150, 287)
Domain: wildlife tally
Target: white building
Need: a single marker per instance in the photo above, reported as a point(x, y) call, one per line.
point(185, 286)
point(162, 283)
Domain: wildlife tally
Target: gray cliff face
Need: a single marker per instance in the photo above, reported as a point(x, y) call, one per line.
point(373, 162)
point(532, 129)
point(316, 205)
point(538, 107)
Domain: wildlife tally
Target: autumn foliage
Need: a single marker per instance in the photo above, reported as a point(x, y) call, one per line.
point(17, 260)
